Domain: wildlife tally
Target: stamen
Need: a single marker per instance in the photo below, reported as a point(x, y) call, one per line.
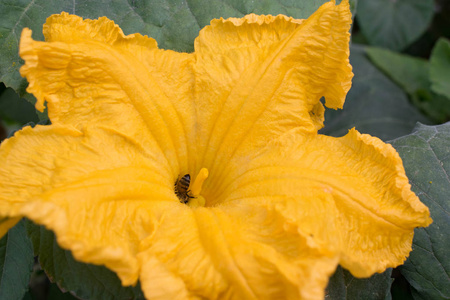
point(196, 187)
point(194, 192)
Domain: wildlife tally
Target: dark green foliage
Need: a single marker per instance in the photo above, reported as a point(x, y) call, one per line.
point(412, 74)
point(440, 68)
point(394, 24)
point(14, 109)
point(344, 286)
point(425, 153)
point(16, 262)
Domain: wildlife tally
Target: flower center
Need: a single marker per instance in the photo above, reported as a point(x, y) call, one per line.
point(190, 193)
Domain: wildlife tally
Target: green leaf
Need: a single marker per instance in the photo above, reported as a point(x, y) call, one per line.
point(27, 296)
point(440, 68)
point(426, 157)
point(374, 105)
point(15, 109)
point(54, 293)
point(85, 281)
point(411, 74)
point(16, 263)
point(394, 24)
point(173, 23)
point(343, 285)
point(353, 7)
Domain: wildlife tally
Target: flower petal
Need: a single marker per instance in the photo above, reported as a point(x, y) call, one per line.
point(350, 195)
point(89, 72)
point(260, 76)
point(128, 118)
point(94, 188)
point(233, 252)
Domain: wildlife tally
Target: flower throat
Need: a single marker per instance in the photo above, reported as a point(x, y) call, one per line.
point(189, 193)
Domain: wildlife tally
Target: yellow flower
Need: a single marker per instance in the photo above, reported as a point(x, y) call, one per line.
point(273, 206)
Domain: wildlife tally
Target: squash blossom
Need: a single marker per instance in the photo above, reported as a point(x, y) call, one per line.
point(271, 206)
